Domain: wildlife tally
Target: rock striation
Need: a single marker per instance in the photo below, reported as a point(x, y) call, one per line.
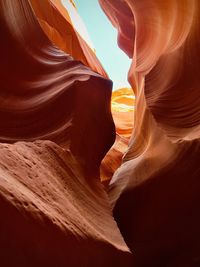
point(155, 192)
point(56, 127)
point(62, 29)
point(46, 94)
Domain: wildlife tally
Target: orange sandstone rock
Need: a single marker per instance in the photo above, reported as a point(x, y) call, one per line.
point(54, 211)
point(113, 159)
point(122, 105)
point(59, 26)
point(46, 94)
point(155, 193)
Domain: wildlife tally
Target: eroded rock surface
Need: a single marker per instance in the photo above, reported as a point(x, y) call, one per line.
point(54, 210)
point(46, 94)
point(156, 192)
point(51, 214)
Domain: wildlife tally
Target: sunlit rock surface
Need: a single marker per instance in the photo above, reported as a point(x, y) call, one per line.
point(122, 105)
point(66, 30)
point(156, 191)
point(54, 211)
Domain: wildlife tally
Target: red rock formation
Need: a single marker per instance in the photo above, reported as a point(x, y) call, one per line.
point(155, 193)
point(56, 22)
point(46, 94)
point(50, 214)
point(54, 211)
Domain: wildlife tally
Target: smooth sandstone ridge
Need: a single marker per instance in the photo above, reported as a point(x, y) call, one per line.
point(155, 193)
point(54, 210)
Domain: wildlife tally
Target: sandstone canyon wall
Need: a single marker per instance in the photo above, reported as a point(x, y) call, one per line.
point(155, 193)
point(45, 93)
point(61, 29)
point(54, 211)
point(56, 127)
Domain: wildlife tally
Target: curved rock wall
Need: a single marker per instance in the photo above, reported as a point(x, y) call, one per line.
point(155, 192)
point(56, 22)
point(50, 214)
point(53, 209)
point(46, 94)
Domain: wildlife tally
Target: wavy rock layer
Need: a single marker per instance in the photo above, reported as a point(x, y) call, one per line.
point(54, 211)
point(56, 22)
point(50, 214)
point(155, 193)
point(123, 103)
point(46, 94)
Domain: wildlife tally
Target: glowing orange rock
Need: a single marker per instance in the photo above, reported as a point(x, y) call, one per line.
point(56, 22)
point(122, 105)
point(123, 102)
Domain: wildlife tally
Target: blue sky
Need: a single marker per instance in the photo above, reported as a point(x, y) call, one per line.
point(104, 38)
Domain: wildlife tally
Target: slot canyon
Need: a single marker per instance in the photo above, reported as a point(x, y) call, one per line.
point(90, 176)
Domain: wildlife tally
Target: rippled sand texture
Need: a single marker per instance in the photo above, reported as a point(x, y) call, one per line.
point(54, 211)
point(156, 192)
